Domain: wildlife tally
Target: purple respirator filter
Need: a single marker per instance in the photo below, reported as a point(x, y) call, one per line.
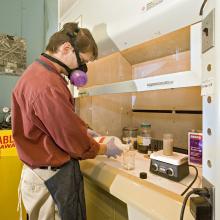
point(78, 78)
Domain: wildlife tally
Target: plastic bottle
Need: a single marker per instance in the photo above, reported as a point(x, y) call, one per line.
point(144, 138)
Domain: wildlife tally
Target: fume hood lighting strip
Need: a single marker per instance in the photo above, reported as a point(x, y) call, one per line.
point(197, 112)
point(167, 81)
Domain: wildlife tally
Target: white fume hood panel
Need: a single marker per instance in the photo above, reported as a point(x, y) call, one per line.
point(166, 81)
point(118, 25)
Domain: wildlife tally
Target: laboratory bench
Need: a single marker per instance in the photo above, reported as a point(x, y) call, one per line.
point(115, 193)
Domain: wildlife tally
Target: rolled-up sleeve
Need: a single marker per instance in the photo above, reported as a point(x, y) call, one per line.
point(56, 115)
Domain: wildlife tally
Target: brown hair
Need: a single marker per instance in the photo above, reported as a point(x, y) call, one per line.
point(70, 32)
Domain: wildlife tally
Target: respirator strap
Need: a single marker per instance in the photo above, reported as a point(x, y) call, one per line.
point(73, 43)
point(57, 61)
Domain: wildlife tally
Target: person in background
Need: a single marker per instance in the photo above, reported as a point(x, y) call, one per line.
point(49, 136)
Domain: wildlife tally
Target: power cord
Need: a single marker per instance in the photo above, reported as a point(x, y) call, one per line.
point(198, 191)
point(192, 181)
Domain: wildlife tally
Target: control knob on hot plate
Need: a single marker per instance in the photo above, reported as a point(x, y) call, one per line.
point(170, 172)
point(155, 167)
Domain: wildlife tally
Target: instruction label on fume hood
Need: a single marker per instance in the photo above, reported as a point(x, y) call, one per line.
point(7, 146)
point(207, 87)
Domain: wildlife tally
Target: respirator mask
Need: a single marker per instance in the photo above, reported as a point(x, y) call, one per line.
point(78, 75)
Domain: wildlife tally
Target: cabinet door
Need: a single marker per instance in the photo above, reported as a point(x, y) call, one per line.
point(101, 205)
point(10, 170)
point(121, 211)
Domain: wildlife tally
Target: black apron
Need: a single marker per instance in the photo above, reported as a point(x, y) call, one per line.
point(67, 189)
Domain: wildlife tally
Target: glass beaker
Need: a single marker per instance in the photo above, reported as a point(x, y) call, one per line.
point(128, 160)
point(168, 144)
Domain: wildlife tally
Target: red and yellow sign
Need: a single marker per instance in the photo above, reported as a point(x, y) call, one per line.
point(7, 146)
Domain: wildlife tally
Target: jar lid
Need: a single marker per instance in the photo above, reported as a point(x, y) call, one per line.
point(130, 129)
point(145, 125)
point(167, 135)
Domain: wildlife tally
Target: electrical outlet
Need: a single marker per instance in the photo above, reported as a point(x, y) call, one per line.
point(208, 23)
point(211, 189)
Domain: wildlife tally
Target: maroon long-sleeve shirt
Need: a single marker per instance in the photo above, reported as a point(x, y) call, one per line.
point(46, 130)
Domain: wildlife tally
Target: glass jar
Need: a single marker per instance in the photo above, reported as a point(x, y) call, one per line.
point(144, 138)
point(168, 144)
point(128, 158)
point(129, 135)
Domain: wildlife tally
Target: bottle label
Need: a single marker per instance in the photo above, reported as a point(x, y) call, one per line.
point(139, 140)
point(146, 141)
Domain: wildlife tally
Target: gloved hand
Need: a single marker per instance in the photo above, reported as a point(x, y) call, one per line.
point(92, 133)
point(112, 149)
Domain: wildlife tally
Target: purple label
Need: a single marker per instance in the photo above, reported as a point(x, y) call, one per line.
point(195, 148)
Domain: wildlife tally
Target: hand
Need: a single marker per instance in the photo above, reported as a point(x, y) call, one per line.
point(92, 133)
point(112, 149)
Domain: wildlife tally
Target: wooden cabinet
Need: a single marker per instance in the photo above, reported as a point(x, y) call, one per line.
point(101, 205)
